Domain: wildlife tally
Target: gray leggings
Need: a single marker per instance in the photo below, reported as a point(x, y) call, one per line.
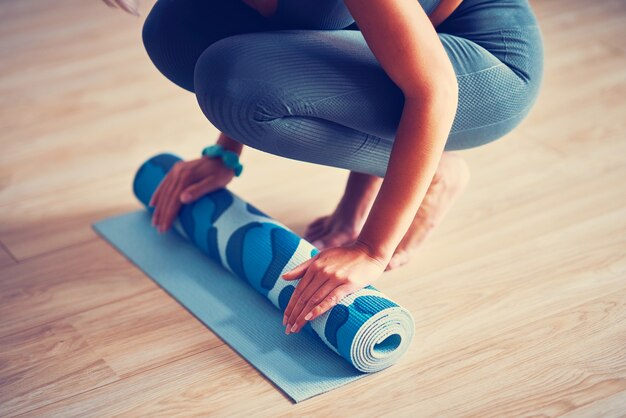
point(303, 84)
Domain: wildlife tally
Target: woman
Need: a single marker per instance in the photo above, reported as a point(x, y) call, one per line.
point(385, 89)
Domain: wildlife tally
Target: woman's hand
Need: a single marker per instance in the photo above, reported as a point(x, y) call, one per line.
point(326, 278)
point(184, 183)
point(129, 6)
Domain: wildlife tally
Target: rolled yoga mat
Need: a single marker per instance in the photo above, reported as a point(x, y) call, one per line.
point(366, 328)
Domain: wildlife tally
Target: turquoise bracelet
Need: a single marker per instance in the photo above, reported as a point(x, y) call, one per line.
point(230, 158)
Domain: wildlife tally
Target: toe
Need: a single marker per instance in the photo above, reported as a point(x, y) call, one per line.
point(400, 258)
point(319, 244)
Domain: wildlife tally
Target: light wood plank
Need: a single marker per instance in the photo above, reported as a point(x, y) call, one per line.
point(519, 296)
point(613, 406)
point(46, 364)
point(47, 221)
point(211, 378)
point(143, 332)
point(502, 216)
point(6, 258)
point(586, 377)
point(43, 195)
point(66, 282)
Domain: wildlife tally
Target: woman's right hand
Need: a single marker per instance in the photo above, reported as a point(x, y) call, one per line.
point(129, 6)
point(186, 182)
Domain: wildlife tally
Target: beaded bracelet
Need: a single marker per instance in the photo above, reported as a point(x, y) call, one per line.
point(230, 158)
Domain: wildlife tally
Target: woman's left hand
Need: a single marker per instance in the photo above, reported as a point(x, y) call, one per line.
point(129, 6)
point(328, 277)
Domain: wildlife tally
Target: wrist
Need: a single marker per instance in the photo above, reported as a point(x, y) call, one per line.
point(229, 158)
point(229, 144)
point(379, 254)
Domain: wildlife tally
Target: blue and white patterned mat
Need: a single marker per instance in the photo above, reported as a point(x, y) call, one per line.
point(223, 261)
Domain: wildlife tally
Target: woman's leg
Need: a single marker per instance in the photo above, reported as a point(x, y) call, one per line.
point(176, 32)
point(322, 97)
point(346, 222)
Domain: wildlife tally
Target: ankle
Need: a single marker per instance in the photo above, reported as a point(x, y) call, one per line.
point(453, 171)
point(359, 195)
point(360, 187)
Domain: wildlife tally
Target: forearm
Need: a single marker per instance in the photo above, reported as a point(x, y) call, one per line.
point(229, 143)
point(420, 139)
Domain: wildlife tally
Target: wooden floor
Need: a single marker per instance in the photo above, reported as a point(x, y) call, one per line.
point(520, 295)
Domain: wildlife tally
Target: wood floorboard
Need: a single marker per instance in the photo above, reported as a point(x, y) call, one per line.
point(519, 295)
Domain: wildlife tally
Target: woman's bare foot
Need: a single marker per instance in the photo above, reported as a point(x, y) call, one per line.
point(448, 183)
point(347, 220)
point(345, 223)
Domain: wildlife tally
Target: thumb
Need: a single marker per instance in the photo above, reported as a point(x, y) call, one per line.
point(297, 271)
point(197, 190)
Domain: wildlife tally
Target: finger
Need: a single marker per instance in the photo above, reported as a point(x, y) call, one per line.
point(110, 4)
point(199, 189)
point(170, 216)
point(155, 194)
point(162, 203)
point(314, 300)
point(318, 225)
point(298, 270)
point(158, 201)
point(316, 234)
point(319, 243)
point(128, 6)
point(318, 281)
point(308, 275)
point(333, 298)
point(170, 210)
point(165, 197)
point(165, 191)
point(315, 226)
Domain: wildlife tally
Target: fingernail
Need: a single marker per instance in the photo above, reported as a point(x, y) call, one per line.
point(308, 316)
point(285, 320)
point(287, 330)
point(293, 328)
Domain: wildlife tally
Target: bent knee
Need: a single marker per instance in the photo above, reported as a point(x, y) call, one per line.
point(163, 46)
point(235, 94)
